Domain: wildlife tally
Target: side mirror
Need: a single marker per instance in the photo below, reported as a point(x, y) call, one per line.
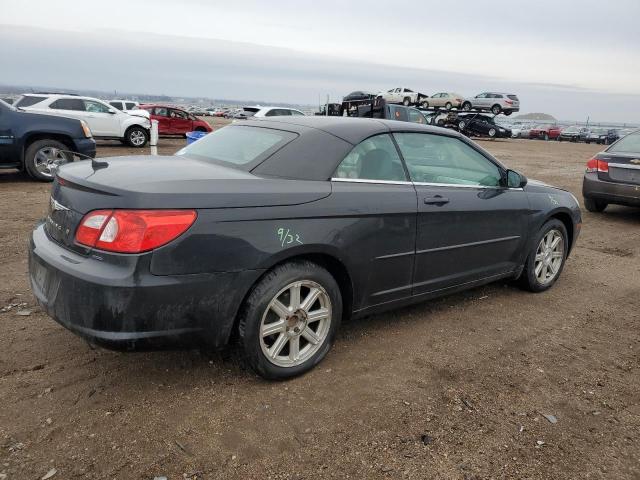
point(515, 179)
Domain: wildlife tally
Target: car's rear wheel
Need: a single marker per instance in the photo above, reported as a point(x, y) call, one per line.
point(406, 102)
point(594, 205)
point(448, 105)
point(43, 158)
point(492, 132)
point(546, 259)
point(466, 106)
point(136, 137)
point(496, 109)
point(290, 319)
point(462, 125)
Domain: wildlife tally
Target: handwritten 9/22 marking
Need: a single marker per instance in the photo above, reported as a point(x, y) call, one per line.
point(287, 237)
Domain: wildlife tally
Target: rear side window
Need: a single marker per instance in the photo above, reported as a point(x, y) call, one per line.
point(445, 160)
point(29, 100)
point(628, 144)
point(375, 158)
point(130, 106)
point(512, 97)
point(238, 145)
point(68, 104)
point(117, 105)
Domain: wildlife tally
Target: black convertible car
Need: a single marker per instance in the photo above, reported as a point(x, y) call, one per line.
point(273, 231)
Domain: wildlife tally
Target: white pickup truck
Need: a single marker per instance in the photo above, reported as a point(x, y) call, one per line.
point(405, 96)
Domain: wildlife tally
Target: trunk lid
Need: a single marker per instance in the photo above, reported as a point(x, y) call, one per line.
point(163, 182)
point(622, 168)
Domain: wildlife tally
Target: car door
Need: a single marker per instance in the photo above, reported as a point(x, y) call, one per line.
point(161, 114)
point(481, 101)
point(379, 202)
point(103, 120)
point(8, 150)
point(470, 227)
point(180, 122)
point(436, 100)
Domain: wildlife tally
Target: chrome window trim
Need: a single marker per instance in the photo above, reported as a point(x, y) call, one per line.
point(364, 180)
point(425, 184)
point(624, 165)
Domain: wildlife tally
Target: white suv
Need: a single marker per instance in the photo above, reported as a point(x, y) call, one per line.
point(105, 121)
point(494, 102)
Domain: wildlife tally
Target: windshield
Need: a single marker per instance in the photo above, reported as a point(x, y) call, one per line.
point(4, 105)
point(240, 146)
point(628, 144)
point(571, 129)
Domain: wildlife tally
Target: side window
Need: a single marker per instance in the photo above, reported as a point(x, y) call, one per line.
point(416, 116)
point(161, 111)
point(296, 112)
point(178, 114)
point(130, 106)
point(68, 104)
point(117, 105)
point(95, 107)
point(375, 158)
point(446, 160)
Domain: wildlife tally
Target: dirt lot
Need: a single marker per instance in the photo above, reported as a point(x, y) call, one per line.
point(452, 389)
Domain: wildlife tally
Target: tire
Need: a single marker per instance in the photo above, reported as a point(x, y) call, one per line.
point(466, 106)
point(559, 138)
point(277, 285)
point(406, 102)
point(507, 112)
point(200, 129)
point(548, 273)
point(496, 109)
point(43, 157)
point(462, 125)
point(136, 136)
point(594, 205)
point(492, 132)
point(448, 105)
point(440, 123)
point(424, 104)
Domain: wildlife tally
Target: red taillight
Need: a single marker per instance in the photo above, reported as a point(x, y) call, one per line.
point(595, 165)
point(509, 102)
point(132, 231)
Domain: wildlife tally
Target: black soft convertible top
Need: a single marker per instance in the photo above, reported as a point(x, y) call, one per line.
point(323, 142)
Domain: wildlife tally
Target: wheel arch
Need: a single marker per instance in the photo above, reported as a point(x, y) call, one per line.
point(567, 221)
point(328, 261)
point(36, 136)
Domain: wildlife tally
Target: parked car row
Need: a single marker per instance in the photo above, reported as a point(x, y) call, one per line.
point(574, 133)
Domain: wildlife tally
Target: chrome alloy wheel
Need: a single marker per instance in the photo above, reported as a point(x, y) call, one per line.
point(295, 324)
point(137, 138)
point(549, 256)
point(48, 159)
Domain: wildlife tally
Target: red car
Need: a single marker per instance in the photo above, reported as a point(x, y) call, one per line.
point(174, 121)
point(545, 132)
point(548, 132)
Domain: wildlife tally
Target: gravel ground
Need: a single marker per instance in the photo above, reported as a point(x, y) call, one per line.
point(491, 383)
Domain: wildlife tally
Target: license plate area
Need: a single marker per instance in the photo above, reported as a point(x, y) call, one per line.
point(625, 175)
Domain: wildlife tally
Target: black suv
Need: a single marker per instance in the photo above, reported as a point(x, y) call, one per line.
point(38, 143)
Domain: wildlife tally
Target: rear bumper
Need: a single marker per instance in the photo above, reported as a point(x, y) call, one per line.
point(85, 146)
point(121, 305)
point(610, 192)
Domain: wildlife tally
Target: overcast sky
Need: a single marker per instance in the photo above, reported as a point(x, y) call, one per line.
point(572, 59)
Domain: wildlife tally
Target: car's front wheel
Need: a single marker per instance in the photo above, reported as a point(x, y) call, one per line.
point(43, 157)
point(492, 132)
point(466, 106)
point(424, 104)
point(546, 259)
point(136, 137)
point(290, 319)
point(406, 102)
point(594, 205)
point(448, 105)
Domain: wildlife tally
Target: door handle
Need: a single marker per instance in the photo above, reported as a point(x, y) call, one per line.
point(436, 200)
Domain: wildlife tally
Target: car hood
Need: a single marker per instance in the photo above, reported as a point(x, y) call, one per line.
point(176, 182)
point(139, 113)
